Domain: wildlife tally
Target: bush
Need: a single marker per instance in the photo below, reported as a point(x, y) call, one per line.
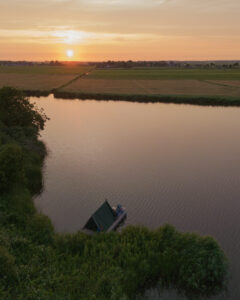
point(40, 229)
point(109, 284)
point(7, 267)
point(71, 244)
point(34, 178)
point(202, 266)
point(16, 110)
point(11, 166)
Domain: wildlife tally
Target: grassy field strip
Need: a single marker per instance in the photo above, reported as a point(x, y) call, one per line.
point(142, 88)
point(39, 78)
point(151, 87)
point(166, 74)
point(38, 82)
point(224, 83)
point(74, 79)
point(48, 70)
point(153, 98)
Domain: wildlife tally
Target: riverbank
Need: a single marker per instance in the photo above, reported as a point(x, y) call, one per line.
point(38, 263)
point(177, 99)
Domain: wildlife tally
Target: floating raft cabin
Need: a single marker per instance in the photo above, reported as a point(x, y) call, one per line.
point(105, 219)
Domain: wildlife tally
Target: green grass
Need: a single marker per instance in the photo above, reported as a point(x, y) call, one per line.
point(166, 73)
point(48, 70)
point(148, 98)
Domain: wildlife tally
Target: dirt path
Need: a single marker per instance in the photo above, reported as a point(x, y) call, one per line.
point(74, 79)
point(220, 84)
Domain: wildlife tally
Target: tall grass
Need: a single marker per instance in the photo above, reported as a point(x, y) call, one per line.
point(178, 99)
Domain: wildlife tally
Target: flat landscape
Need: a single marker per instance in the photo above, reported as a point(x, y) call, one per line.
point(154, 87)
point(38, 78)
point(166, 74)
point(134, 81)
point(34, 82)
point(46, 70)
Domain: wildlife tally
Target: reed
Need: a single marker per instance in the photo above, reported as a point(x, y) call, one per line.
point(178, 99)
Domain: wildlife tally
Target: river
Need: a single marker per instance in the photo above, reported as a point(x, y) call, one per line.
point(165, 163)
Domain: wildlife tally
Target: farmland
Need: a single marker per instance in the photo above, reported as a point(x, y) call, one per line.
point(46, 70)
point(40, 82)
point(166, 74)
point(157, 83)
point(154, 87)
point(87, 81)
point(38, 78)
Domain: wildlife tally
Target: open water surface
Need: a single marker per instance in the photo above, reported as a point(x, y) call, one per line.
point(166, 163)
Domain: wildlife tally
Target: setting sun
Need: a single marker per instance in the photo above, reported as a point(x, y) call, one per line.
point(70, 53)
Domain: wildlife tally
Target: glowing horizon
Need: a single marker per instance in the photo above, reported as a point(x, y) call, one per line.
point(97, 30)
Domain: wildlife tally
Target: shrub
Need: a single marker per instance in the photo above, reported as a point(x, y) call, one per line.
point(11, 166)
point(202, 266)
point(40, 229)
point(109, 284)
point(7, 267)
point(16, 110)
point(34, 178)
point(71, 244)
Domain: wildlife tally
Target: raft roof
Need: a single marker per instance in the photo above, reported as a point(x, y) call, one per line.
point(102, 219)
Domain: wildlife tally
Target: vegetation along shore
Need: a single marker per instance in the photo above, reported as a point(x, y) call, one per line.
point(38, 263)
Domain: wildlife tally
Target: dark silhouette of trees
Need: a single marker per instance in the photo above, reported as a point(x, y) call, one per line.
point(16, 110)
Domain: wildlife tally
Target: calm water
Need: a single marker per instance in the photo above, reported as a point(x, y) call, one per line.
point(165, 163)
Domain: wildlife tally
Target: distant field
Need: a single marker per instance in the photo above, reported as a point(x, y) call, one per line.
point(229, 83)
point(41, 78)
point(160, 87)
point(166, 73)
point(49, 70)
point(145, 81)
point(39, 82)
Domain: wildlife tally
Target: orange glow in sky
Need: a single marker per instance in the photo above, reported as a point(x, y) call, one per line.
point(119, 30)
point(69, 53)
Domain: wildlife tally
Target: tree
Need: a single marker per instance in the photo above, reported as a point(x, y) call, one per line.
point(16, 110)
point(11, 166)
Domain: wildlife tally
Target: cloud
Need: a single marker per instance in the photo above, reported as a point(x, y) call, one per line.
point(122, 17)
point(131, 28)
point(127, 2)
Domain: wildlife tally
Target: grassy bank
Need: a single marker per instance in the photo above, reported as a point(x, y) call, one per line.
point(178, 99)
point(37, 263)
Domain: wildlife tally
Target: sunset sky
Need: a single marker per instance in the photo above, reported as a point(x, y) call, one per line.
point(96, 30)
